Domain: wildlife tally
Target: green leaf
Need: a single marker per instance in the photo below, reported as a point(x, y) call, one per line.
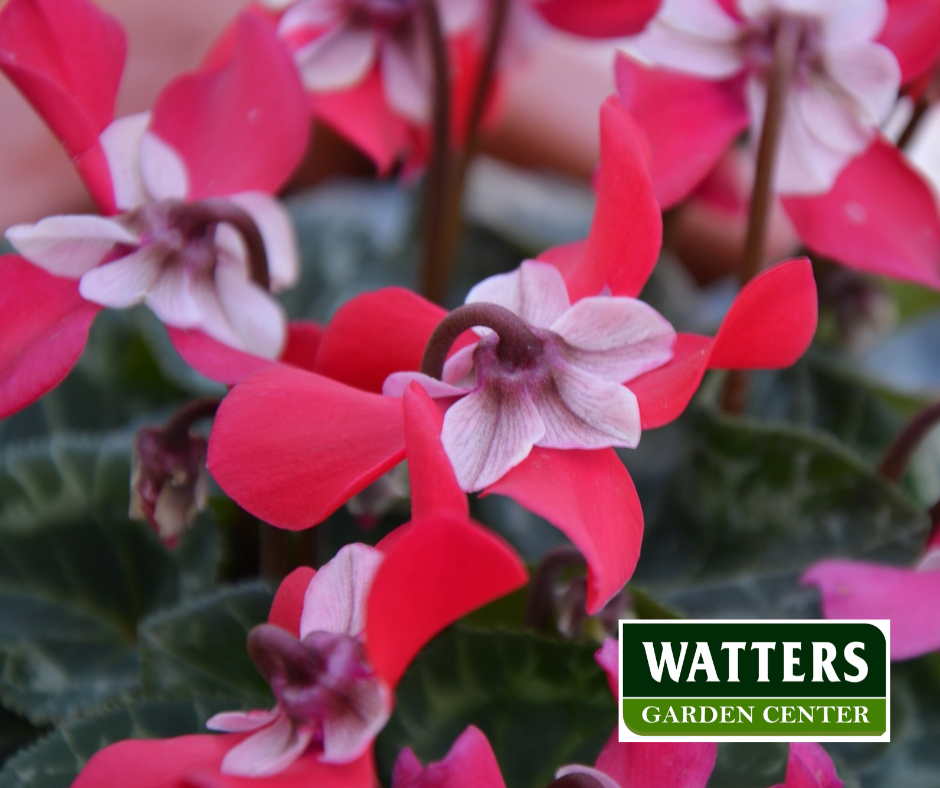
point(76, 575)
point(56, 760)
point(198, 647)
point(541, 703)
point(753, 506)
point(15, 733)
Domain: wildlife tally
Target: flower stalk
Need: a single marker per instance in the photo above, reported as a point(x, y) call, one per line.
point(786, 49)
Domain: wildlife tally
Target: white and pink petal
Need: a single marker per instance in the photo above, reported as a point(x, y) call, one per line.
point(269, 751)
point(535, 292)
point(124, 282)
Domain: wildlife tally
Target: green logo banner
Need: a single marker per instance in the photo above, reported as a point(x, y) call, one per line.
point(754, 680)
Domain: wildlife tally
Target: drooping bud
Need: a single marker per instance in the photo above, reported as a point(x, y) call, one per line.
point(169, 481)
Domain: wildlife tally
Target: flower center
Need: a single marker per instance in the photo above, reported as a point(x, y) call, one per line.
point(759, 42)
point(184, 233)
point(315, 679)
point(384, 13)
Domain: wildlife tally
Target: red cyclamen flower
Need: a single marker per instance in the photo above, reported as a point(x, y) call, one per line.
point(185, 191)
point(322, 438)
point(338, 641)
point(850, 194)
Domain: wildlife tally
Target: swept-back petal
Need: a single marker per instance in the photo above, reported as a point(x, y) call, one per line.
point(69, 245)
point(268, 751)
point(242, 127)
point(335, 600)
point(599, 18)
point(590, 497)
point(855, 589)
point(809, 766)
point(535, 291)
point(912, 32)
point(155, 763)
point(880, 217)
point(120, 143)
point(771, 321)
point(615, 339)
point(362, 114)
point(288, 604)
point(338, 58)
point(489, 431)
point(292, 447)
point(470, 763)
point(240, 721)
point(306, 771)
point(602, 780)
point(224, 364)
point(661, 102)
point(66, 57)
point(435, 571)
point(626, 233)
point(665, 392)
point(608, 657)
point(434, 489)
point(127, 281)
point(407, 73)
point(45, 327)
point(375, 334)
point(660, 764)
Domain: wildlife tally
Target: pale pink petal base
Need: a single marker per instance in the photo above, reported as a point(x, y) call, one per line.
point(269, 751)
point(535, 292)
point(336, 598)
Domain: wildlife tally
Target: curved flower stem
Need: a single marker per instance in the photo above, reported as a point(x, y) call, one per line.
point(899, 454)
point(215, 210)
point(786, 47)
point(434, 269)
point(175, 433)
point(518, 344)
point(275, 552)
point(540, 605)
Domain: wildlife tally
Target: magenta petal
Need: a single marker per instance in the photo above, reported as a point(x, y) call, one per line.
point(469, 764)
point(375, 334)
point(435, 571)
point(362, 115)
point(809, 766)
point(590, 497)
point(608, 657)
point(241, 127)
point(662, 102)
point(45, 328)
point(306, 772)
point(291, 447)
point(155, 763)
point(908, 598)
point(288, 604)
point(434, 489)
point(599, 18)
point(772, 320)
point(66, 58)
point(627, 230)
point(663, 765)
point(880, 217)
point(912, 32)
point(665, 392)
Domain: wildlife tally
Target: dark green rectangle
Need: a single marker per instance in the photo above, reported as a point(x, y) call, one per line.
point(737, 723)
point(639, 683)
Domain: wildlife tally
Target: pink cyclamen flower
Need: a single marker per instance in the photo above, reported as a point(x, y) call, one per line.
point(905, 596)
point(188, 222)
point(677, 765)
point(849, 192)
point(583, 489)
point(338, 641)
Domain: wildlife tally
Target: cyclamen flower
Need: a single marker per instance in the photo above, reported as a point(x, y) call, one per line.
point(850, 193)
point(189, 226)
point(905, 596)
point(324, 437)
point(552, 379)
point(338, 641)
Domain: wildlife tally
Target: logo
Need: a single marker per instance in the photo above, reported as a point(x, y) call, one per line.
point(754, 681)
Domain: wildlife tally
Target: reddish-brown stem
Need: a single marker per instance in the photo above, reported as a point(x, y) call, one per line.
point(786, 45)
point(175, 433)
point(433, 271)
point(899, 454)
point(517, 343)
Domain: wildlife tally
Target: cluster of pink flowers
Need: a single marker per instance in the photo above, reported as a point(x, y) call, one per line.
point(524, 391)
